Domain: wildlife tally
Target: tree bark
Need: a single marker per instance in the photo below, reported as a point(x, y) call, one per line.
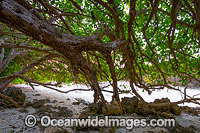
point(23, 17)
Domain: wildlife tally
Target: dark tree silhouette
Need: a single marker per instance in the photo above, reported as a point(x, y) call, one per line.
point(144, 42)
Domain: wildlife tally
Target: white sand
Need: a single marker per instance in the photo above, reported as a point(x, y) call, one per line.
point(173, 95)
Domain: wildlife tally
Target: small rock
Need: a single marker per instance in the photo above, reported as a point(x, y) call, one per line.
point(112, 110)
point(95, 108)
point(85, 114)
point(76, 103)
point(176, 110)
point(163, 100)
point(64, 112)
point(190, 110)
point(15, 93)
point(81, 101)
point(39, 103)
point(129, 105)
point(54, 101)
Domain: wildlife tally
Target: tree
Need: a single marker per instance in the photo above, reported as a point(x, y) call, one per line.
point(144, 42)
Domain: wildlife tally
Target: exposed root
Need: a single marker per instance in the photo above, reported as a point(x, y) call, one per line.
point(10, 100)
